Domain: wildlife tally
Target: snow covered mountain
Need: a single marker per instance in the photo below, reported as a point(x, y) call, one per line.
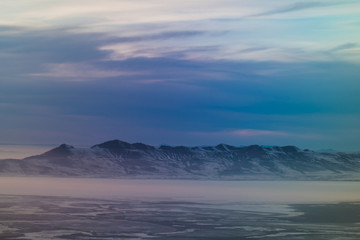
point(118, 159)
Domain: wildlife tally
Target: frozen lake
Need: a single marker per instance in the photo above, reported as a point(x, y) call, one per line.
point(100, 209)
point(204, 191)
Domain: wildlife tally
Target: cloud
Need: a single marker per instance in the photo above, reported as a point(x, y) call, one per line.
point(10, 29)
point(81, 71)
point(244, 133)
point(253, 49)
point(256, 132)
point(161, 36)
point(345, 46)
point(110, 12)
point(52, 45)
point(298, 6)
point(182, 35)
point(158, 49)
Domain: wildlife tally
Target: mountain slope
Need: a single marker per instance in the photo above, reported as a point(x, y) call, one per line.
point(118, 159)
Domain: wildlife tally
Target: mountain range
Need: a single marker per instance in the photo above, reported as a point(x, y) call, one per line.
point(119, 159)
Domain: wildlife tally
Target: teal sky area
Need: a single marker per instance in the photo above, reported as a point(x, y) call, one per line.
point(189, 73)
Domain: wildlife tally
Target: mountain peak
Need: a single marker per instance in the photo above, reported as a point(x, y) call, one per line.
point(291, 149)
point(61, 151)
point(142, 146)
point(65, 146)
point(223, 147)
point(113, 144)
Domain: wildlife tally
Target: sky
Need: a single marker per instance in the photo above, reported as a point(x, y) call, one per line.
point(239, 72)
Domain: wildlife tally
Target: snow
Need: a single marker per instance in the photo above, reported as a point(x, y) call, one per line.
point(221, 162)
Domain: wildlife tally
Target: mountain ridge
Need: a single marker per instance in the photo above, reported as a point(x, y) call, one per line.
point(120, 159)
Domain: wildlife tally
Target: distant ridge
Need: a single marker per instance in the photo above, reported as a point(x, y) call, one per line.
point(120, 159)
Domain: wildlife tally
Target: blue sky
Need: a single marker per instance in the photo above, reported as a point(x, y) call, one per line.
point(181, 72)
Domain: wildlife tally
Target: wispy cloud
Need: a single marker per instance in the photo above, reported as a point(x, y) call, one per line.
point(253, 49)
point(160, 36)
point(131, 29)
point(10, 29)
point(298, 6)
point(245, 133)
point(81, 72)
point(345, 46)
point(257, 134)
